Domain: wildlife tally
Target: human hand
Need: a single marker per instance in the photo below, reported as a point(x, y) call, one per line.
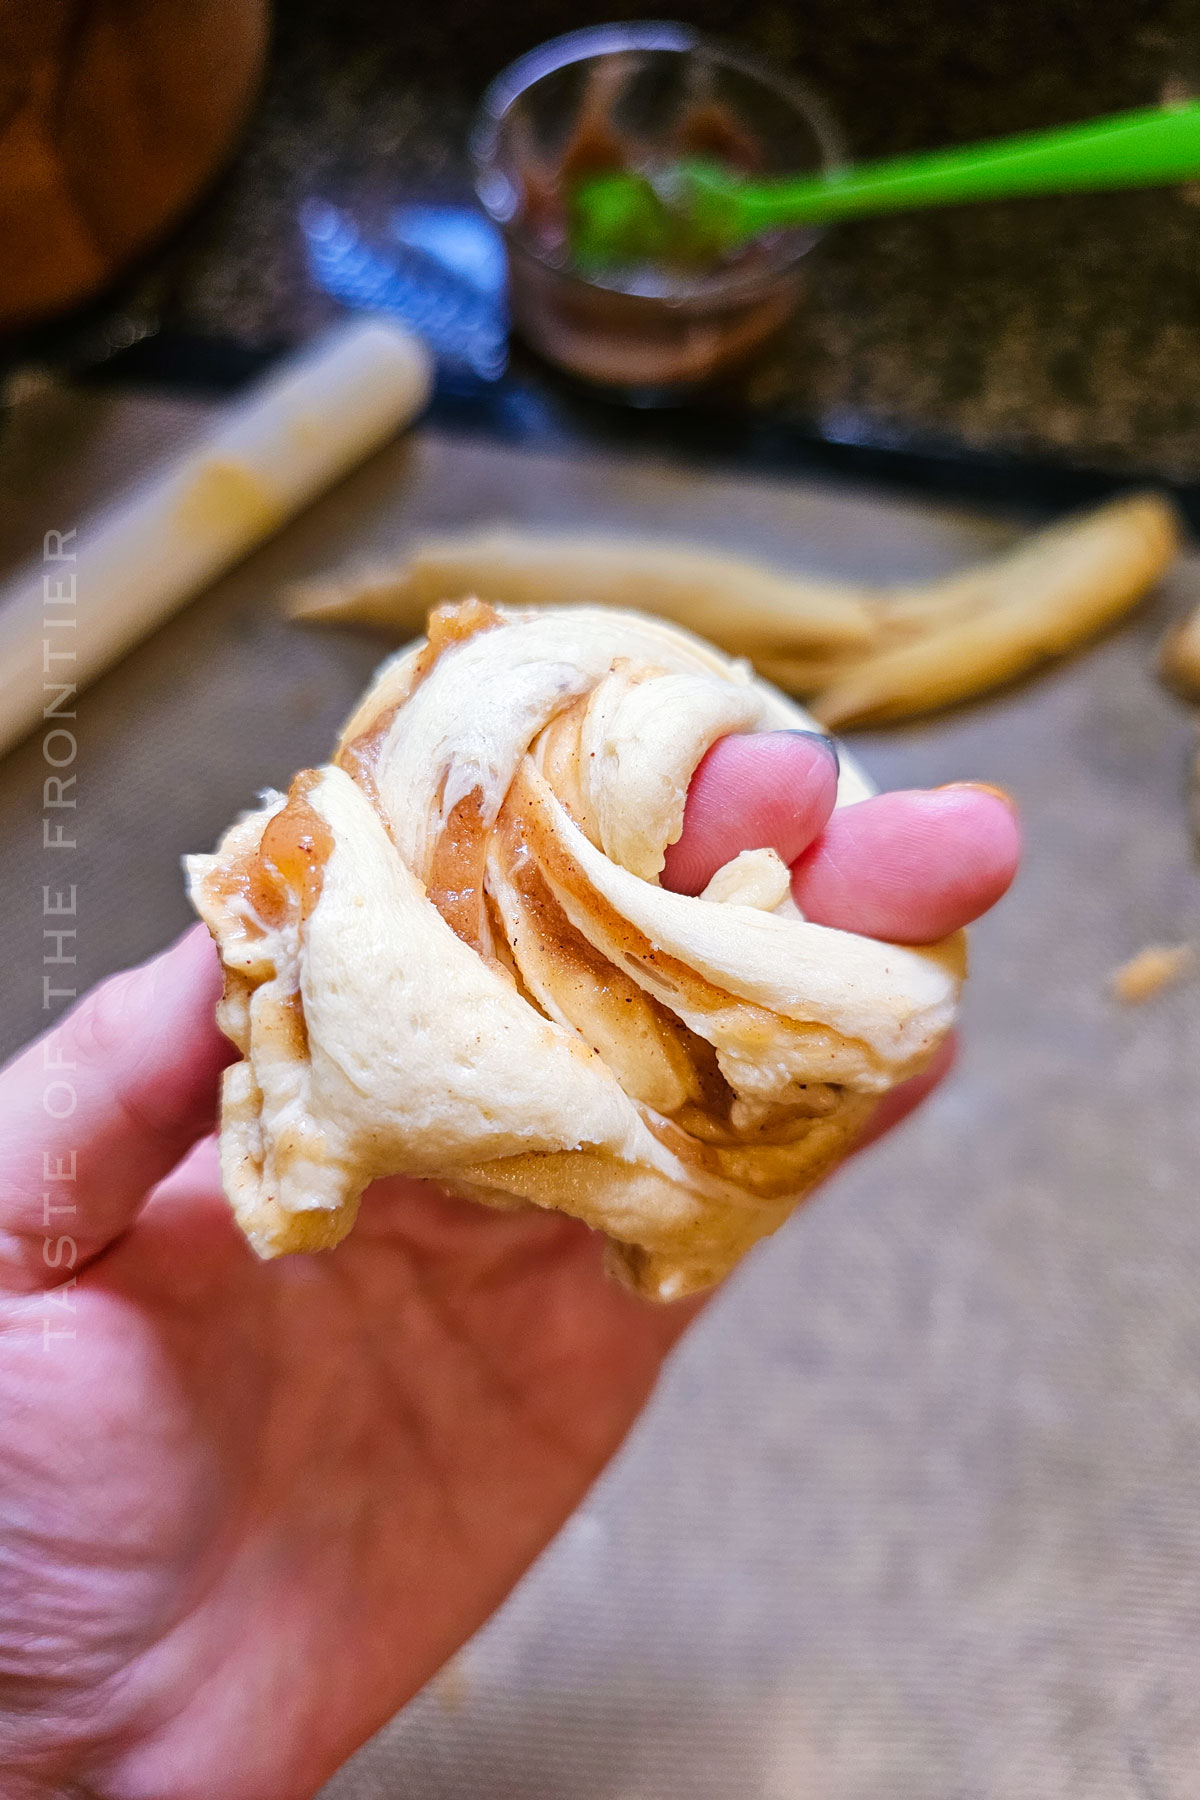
point(248, 1508)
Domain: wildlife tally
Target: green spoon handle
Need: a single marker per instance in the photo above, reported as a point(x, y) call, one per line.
point(1151, 146)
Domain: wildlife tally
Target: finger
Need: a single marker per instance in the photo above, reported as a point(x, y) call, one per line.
point(905, 1099)
point(770, 790)
point(671, 1322)
point(911, 866)
point(103, 1106)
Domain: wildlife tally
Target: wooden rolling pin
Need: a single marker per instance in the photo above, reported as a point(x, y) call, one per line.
point(99, 590)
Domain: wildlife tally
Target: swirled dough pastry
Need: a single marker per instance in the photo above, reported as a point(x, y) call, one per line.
point(447, 954)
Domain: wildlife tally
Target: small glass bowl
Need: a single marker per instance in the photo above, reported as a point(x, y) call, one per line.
point(649, 330)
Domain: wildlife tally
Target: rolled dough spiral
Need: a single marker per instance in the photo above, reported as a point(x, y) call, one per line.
point(447, 954)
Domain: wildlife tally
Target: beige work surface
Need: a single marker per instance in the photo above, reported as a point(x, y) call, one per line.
point(917, 1510)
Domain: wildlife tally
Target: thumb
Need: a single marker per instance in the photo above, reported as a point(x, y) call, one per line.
point(102, 1107)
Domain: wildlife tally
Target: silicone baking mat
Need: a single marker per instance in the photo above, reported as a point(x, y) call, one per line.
point(915, 1511)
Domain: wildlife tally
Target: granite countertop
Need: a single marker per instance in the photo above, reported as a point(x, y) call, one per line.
point(1063, 330)
point(914, 1512)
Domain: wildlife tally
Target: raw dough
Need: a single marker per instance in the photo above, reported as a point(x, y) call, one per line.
point(448, 955)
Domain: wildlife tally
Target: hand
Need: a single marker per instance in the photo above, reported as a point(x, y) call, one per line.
point(250, 1508)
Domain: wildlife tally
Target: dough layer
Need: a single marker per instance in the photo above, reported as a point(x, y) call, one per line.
point(447, 954)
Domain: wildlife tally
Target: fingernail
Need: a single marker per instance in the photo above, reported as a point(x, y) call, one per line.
point(818, 737)
point(980, 787)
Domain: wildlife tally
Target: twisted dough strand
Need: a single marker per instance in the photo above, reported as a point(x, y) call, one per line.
point(447, 954)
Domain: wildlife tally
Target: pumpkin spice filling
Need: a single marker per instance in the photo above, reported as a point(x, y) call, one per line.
point(498, 993)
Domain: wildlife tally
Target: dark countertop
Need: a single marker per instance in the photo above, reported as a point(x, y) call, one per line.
point(1059, 330)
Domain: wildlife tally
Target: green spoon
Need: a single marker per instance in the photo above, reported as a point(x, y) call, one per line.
point(692, 211)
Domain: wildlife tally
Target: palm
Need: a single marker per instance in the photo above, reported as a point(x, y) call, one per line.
point(247, 1509)
point(342, 1445)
